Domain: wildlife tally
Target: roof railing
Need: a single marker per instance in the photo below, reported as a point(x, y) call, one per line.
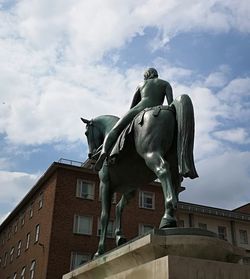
point(70, 162)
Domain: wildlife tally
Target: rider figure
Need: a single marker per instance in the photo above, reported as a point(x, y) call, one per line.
point(151, 92)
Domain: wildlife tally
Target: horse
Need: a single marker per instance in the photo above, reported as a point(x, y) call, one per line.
point(160, 146)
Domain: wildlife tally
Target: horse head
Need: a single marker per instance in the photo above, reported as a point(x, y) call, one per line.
point(93, 134)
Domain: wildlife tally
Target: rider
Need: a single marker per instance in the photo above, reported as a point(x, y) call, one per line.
point(149, 93)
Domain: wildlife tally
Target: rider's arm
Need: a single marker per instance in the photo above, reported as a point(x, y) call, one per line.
point(136, 98)
point(169, 93)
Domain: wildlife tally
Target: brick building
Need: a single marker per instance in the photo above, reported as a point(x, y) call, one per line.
point(55, 228)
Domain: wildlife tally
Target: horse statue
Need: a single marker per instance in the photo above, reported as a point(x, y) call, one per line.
point(157, 145)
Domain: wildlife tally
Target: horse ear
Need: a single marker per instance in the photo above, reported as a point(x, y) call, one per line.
point(86, 121)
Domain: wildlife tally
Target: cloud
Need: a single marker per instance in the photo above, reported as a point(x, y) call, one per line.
point(177, 17)
point(14, 186)
point(223, 182)
point(15, 183)
point(4, 216)
point(4, 163)
point(219, 78)
point(236, 99)
point(238, 135)
point(51, 54)
point(53, 109)
point(53, 71)
point(236, 91)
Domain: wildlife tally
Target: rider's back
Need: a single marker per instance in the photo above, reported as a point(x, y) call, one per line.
point(153, 91)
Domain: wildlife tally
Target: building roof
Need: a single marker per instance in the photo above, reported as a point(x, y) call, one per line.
point(243, 208)
point(48, 173)
point(214, 211)
point(87, 166)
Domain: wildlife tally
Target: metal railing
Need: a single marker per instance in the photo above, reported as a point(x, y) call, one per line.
point(195, 208)
point(70, 162)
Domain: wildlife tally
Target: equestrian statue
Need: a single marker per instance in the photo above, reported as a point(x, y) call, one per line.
point(149, 142)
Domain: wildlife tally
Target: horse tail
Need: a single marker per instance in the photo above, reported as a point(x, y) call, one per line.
point(185, 135)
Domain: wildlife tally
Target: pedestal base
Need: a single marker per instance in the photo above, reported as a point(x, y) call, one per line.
point(174, 267)
point(169, 254)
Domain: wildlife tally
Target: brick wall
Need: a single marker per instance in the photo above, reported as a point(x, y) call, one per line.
point(37, 251)
point(67, 205)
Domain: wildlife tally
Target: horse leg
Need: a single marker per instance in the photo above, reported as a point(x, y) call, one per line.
point(120, 239)
point(106, 205)
point(162, 170)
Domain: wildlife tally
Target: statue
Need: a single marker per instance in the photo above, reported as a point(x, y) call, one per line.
point(150, 93)
point(158, 143)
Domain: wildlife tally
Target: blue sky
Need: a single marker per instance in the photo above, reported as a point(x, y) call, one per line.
point(63, 60)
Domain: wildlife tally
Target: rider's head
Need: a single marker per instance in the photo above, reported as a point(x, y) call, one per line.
point(150, 73)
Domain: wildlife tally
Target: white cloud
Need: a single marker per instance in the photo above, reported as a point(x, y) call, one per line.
point(223, 182)
point(50, 59)
point(186, 16)
point(3, 217)
point(235, 97)
point(14, 186)
point(238, 135)
point(236, 91)
point(53, 109)
point(207, 109)
point(218, 78)
point(52, 72)
point(5, 163)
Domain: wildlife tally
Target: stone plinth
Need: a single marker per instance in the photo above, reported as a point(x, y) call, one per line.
point(172, 253)
point(174, 267)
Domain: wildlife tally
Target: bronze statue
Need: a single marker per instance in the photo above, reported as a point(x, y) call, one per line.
point(149, 93)
point(157, 144)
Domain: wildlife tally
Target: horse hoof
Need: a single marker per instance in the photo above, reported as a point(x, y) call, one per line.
point(97, 254)
point(120, 240)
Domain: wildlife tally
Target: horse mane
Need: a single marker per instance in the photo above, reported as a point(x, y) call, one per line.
point(105, 122)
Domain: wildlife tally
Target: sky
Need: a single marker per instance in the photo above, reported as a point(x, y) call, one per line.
point(65, 59)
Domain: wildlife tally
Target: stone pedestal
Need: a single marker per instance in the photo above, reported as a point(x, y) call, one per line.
point(169, 254)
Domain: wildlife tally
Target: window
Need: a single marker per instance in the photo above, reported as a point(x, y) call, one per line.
point(37, 233)
point(222, 232)
point(32, 269)
point(202, 226)
point(145, 228)
point(12, 254)
point(16, 226)
point(40, 200)
point(31, 211)
point(85, 189)
point(5, 259)
point(9, 233)
point(83, 224)
point(23, 273)
point(19, 246)
point(147, 200)
point(110, 229)
point(15, 276)
point(22, 219)
point(243, 237)
point(27, 241)
point(78, 259)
